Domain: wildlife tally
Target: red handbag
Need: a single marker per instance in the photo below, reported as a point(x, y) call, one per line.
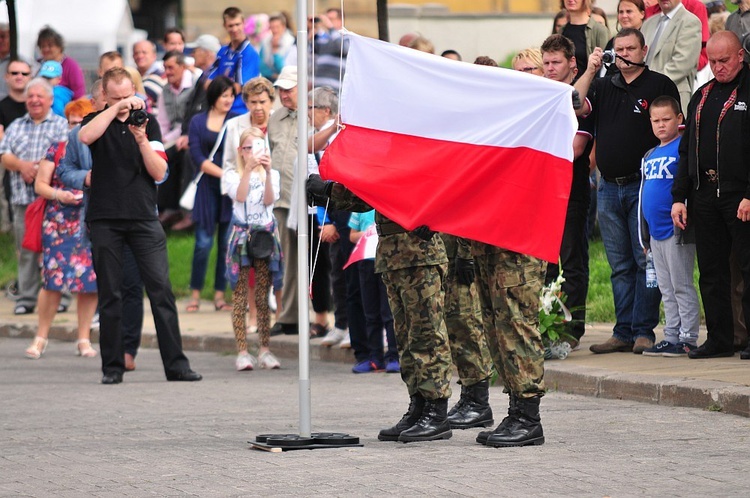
point(32, 236)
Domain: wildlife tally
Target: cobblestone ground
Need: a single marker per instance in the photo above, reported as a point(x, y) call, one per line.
point(64, 434)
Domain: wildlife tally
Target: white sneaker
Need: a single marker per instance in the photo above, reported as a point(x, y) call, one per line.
point(334, 337)
point(346, 342)
point(269, 361)
point(245, 361)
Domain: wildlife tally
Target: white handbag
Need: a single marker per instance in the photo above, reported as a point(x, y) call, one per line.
point(187, 201)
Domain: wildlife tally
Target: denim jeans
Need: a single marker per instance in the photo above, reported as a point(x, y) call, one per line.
point(203, 244)
point(636, 306)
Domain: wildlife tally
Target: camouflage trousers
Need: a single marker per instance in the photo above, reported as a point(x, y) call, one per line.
point(509, 288)
point(416, 298)
point(463, 319)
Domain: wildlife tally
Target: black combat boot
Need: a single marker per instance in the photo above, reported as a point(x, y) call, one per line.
point(416, 405)
point(432, 425)
point(524, 429)
point(473, 408)
point(512, 412)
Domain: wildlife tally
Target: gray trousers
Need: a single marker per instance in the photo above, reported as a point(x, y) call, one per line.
point(289, 304)
point(674, 272)
point(28, 262)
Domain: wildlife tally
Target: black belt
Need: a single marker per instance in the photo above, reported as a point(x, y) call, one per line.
point(389, 228)
point(624, 180)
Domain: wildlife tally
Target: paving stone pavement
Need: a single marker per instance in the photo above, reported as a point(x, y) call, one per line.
point(64, 434)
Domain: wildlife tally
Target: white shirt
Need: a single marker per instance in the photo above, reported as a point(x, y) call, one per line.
point(253, 211)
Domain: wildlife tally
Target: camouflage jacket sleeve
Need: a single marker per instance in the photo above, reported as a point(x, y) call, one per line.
point(344, 199)
point(463, 249)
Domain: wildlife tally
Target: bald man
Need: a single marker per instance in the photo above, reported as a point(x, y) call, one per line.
point(713, 176)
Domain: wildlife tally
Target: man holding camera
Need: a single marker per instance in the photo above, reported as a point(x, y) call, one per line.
point(128, 161)
point(619, 107)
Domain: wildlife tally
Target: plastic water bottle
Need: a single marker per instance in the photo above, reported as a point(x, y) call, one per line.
point(650, 271)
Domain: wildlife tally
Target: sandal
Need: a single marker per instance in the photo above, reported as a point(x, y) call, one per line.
point(37, 348)
point(193, 306)
point(87, 351)
point(221, 305)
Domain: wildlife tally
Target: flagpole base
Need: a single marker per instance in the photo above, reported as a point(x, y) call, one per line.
point(276, 443)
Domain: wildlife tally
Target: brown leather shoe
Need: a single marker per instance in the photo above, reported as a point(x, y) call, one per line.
point(642, 344)
point(613, 345)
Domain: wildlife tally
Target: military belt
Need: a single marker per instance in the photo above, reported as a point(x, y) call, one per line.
point(389, 228)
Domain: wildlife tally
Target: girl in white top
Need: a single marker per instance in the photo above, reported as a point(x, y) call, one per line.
point(254, 187)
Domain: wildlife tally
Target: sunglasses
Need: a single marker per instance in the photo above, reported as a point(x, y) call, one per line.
point(16, 73)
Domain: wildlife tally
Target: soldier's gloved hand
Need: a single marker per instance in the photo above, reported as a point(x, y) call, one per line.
point(577, 103)
point(423, 232)
point(318, 189)
point(465, 272)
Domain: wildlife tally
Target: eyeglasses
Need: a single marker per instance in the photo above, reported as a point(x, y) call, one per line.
point(16, 73)
point(311, 107)
point(528, 69)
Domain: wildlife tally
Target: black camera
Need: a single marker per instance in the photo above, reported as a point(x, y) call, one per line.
point(137, 117)
point(608, 57)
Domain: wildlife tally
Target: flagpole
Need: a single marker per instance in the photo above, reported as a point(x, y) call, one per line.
point(303, 319)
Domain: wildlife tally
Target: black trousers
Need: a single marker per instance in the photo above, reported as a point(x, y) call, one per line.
point(132, 303)
point(717, 231)
point(149, 245)
point(574, 257)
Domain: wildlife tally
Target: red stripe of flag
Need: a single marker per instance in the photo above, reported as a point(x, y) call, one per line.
point(515, 198)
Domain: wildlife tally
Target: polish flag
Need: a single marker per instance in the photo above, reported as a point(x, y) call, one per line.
point(469, 150)
point(365, 246)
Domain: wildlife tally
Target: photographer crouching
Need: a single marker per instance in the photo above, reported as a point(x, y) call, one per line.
point(128, 163)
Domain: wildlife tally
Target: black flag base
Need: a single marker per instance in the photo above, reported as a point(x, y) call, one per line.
point(276, 443)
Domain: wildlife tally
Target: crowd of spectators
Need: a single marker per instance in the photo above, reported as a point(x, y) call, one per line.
point(212, 108)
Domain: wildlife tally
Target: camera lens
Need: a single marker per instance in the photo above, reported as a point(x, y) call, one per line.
point(137, 117)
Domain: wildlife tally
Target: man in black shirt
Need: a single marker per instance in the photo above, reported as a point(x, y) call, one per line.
point(559, 64)
point(619, 107)
point(13, 106)
point(127, 160)
point(713, 180)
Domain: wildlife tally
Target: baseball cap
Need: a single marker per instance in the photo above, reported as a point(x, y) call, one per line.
point(288, 78)
point(206, 42)
point(50, 69)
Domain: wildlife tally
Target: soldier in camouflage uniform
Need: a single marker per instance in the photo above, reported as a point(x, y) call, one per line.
point(463, 319)
point(413, 265)
point(509, 287)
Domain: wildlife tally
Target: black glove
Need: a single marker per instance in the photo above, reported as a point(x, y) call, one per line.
point(465, 271)
point(318, 189)
point(423, 232)
point(577, 104)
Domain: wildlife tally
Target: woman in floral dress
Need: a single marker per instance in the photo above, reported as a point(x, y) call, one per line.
point(65, 247)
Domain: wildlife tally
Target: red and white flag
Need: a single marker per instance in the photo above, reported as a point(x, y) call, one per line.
point(469, 150)
point(365, 246)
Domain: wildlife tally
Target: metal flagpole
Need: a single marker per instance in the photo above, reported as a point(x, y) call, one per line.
point(306, 439)
point(303, 284)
